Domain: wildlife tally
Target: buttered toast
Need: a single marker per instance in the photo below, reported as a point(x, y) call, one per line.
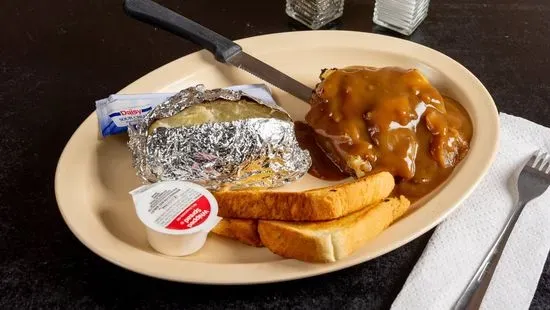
point(313, 205)
point(330, 241)
point(243, 230)
point(325, 241)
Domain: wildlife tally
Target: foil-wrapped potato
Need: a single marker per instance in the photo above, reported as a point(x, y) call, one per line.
point(221, 139)
point(218, 111)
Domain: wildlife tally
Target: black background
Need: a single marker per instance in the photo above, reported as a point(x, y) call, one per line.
point(58, 57)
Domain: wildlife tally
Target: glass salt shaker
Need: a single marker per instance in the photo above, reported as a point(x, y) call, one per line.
point(315, 14)
point(402, 16)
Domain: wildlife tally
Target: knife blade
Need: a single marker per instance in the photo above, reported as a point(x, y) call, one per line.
point(271, 75)
point(224, 50)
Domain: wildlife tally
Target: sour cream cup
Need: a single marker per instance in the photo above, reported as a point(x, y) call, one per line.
point(177, 215)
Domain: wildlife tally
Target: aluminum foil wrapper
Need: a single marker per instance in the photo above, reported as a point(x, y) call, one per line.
point(249, 153)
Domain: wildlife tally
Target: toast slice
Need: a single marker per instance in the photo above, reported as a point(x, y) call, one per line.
point(330, 241)
point(243, 230)
point(321, 204)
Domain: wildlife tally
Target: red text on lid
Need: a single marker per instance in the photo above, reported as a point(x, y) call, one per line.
point(192, 216)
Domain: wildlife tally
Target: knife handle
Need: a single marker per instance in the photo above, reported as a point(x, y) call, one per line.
point(155, 14)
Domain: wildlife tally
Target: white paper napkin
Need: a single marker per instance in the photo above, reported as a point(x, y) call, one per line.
point(459, 244)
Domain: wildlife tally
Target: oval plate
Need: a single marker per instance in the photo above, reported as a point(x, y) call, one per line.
point(94, 176)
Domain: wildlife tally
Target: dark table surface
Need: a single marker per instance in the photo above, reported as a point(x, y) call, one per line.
point(57, 57)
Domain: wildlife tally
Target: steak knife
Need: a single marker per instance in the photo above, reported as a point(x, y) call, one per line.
point(224, 50)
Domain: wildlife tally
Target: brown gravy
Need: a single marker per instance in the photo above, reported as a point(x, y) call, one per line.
point(366, 120)
point(321, 166)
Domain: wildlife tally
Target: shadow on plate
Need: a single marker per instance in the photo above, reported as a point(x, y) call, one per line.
point(116, 174)
point(121, 221)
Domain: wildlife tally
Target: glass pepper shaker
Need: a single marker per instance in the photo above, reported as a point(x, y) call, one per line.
point(315, 14)
point(402, 16)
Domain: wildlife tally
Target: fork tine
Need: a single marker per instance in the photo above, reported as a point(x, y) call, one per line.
point(534, 159)
point(545, 160)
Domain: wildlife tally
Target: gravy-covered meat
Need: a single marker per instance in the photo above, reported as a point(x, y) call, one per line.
point(389, 119)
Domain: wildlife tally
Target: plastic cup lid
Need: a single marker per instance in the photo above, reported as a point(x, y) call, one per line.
point(175, 207)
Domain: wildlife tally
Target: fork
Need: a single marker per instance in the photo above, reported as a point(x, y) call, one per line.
point(533, 181)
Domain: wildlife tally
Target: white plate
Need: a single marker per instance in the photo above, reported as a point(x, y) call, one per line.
point(94, 176)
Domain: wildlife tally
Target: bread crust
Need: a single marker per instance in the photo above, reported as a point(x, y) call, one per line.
point(313, 205)
point(243, 230)
point(329, 241)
